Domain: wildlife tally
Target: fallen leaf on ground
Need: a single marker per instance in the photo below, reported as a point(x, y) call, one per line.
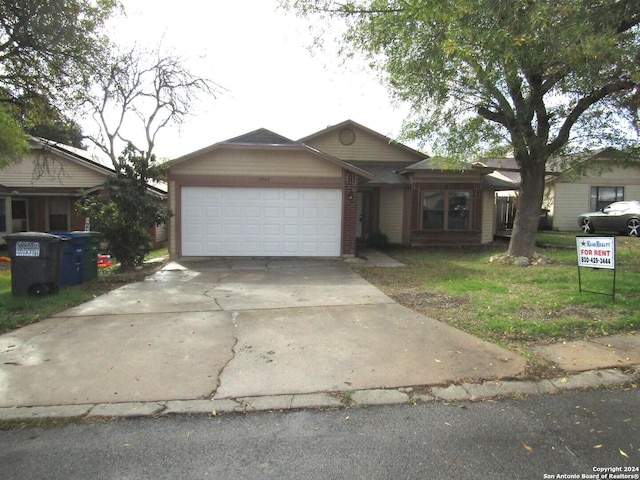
point(527, 447)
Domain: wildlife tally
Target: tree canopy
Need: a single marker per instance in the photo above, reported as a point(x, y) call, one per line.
point(46, 49)
point(534, 78)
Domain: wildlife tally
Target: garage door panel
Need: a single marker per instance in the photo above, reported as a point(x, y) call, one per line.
point(241, 221)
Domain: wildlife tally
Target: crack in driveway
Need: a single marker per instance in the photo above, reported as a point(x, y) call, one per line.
point(234, 317)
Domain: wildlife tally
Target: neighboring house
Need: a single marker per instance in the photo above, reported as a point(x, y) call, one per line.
point(578, 184)
point(262, 194)
point(39, 193)
point(599, 179)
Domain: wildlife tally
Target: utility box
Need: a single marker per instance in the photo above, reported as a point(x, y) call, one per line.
point(36, 258)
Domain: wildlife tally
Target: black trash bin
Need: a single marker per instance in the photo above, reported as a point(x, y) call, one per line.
point(35, 262)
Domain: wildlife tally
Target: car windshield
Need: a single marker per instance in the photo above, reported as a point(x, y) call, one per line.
point(618, 207)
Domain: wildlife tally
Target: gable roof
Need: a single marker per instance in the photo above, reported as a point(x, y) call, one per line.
point(263, 139)
point(351, 123)
point(384, 173)
point(77, 155)
point(86, 159)
point(261, 136)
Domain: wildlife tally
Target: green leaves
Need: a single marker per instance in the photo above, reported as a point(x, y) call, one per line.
point(46, 49)
point(13, 141)
point(126, 214)
point(532, 68)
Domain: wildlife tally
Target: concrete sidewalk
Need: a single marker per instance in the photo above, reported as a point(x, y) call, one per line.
point(241, 335)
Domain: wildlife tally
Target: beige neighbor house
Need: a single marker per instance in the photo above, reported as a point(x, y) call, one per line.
point(39, 193)
point(261, 194)
point(597, 179)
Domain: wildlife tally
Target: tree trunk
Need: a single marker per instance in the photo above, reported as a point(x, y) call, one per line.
point(525, 225)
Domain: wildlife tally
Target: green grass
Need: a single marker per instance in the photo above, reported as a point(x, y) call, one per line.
point(16, 312)
point(518, 305)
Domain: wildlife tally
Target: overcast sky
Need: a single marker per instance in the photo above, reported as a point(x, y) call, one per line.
point(261, 55)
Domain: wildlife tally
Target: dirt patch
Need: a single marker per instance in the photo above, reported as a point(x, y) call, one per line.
point(429, 300)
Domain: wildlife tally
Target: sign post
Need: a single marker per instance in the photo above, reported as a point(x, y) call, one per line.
point(597, 252)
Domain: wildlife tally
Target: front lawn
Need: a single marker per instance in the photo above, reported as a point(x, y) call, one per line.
point(517, 306)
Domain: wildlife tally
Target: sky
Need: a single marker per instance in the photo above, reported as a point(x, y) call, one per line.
point(260, 54)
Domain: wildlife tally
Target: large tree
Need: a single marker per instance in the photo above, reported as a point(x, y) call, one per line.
point(46, 49)
point(135, 95)
point(536, 78)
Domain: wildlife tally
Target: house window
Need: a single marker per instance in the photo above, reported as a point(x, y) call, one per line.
point(58, 214)
point(3, 216)
point(603, 196)
point(19, 215)
point(446, 210)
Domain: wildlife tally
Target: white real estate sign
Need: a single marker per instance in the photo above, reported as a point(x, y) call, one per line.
point(596, 252)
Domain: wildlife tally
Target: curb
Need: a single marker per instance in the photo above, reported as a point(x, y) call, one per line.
point(361, 398)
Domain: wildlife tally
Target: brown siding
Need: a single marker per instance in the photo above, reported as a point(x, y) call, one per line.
point(255, 181)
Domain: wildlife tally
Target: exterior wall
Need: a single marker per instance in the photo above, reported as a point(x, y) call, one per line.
point(171, 224)
point(264, 163)
point(364, 147)
point(571, 197)
point(488, 217)
point(570, 200)
point(391, 213)
point(60, 173)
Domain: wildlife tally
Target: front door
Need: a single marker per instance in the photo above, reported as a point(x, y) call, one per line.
point(19, 217)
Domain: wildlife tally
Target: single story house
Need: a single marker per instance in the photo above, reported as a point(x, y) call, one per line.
point(39, 192)
point(262, 194)
point(582, 183)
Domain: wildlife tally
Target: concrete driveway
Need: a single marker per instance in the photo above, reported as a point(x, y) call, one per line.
point(230, 329)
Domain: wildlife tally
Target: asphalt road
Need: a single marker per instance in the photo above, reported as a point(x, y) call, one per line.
point(571, 435)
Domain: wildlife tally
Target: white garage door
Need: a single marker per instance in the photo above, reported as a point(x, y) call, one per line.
point(241, 221)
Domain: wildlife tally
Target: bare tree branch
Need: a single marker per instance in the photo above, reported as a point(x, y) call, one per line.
point(139, 93)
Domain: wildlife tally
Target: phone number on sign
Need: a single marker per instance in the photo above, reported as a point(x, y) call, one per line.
point(595, 260)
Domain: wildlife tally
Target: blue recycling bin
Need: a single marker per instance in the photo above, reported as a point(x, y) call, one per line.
point(72, 267)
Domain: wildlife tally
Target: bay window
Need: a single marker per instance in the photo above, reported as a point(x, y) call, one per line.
point(446, 210)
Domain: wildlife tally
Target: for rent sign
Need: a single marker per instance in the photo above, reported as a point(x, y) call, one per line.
point(596, 252)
